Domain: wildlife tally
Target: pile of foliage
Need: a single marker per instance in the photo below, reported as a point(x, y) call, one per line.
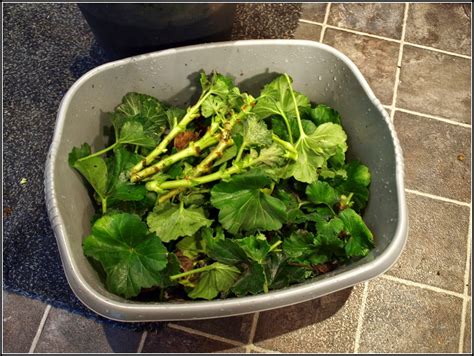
point(232, 196)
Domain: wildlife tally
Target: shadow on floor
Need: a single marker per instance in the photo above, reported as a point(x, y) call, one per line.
point(277, 322)
point(96, 56)
point(271, 324)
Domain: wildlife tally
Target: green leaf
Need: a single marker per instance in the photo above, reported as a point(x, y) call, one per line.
point(119, 186)
point(300, 243)
point(306, 248)
point(139, 207)
point(133, 133)
point(140, 120)
point(308, 127)
point(256, 133)
point(222, 95)
point(357, 182)
point(218, 84)
point(270, 156)
point(190, 247)
point(173, 116)
point(78, 152)
point(305, 169)
point(224, 250)
point(255, 247)
point(126, 191)
point(294, 213)
point(243, 206)
point(173, 267)
point(317, 259)
point(173, 221)
point(338, 160)
point(253, 281)
point(94, 169)
point(219, 279)
point(329, 245)
point(280, 274)
point(134, 104)
point(315, 149)
point(358, 173)
point(279, 128)
point(213, 105)
point(325, 140)
point(236, 99)
point(322, 114)
point(316, 216)
point(322, 193)
point(130, 255)
point(275, 99)
point(361, 238)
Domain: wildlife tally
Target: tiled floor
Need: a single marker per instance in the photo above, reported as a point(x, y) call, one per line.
point(416, 58)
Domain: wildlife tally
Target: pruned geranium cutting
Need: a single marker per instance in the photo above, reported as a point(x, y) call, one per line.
point(234, 195)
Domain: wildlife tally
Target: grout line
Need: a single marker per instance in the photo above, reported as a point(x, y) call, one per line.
point(463, 326)
point(40, 329)
point(360, 320)
point(468, 255)
point(385, 38)
point(364, 34)
point(466, 282)
point(252, 347)
point(253, 328)
point(399, 62)
point(452, 122)
point(324, 24)
point(349, 30)
point(204, 334)
point(313, 22)
point(422, 286)
point(142, 342)
point(438, 50)
point(436, 197)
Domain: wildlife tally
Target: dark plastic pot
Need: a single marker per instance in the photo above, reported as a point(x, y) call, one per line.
point(130, 29)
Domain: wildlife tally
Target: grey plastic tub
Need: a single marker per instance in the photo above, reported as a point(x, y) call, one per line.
point(319, 71)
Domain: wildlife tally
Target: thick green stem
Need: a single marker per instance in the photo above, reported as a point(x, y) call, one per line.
point(285, 144)
point(241, 151)
point(191, 272)
point(104, 205)
point(177, 186)
point(191, 114)
point(194, 149)
point(191, 182)
point(275, 245)
point(288, 127)
point(265, 285)
point(225, 142)
point(170, 194)
point(194, 181)
point(98, 153)
point(202, 168)
point(205, 165)
point(350, 197)
point(298, 118)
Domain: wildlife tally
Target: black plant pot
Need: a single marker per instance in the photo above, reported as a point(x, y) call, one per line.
point(130, 29)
